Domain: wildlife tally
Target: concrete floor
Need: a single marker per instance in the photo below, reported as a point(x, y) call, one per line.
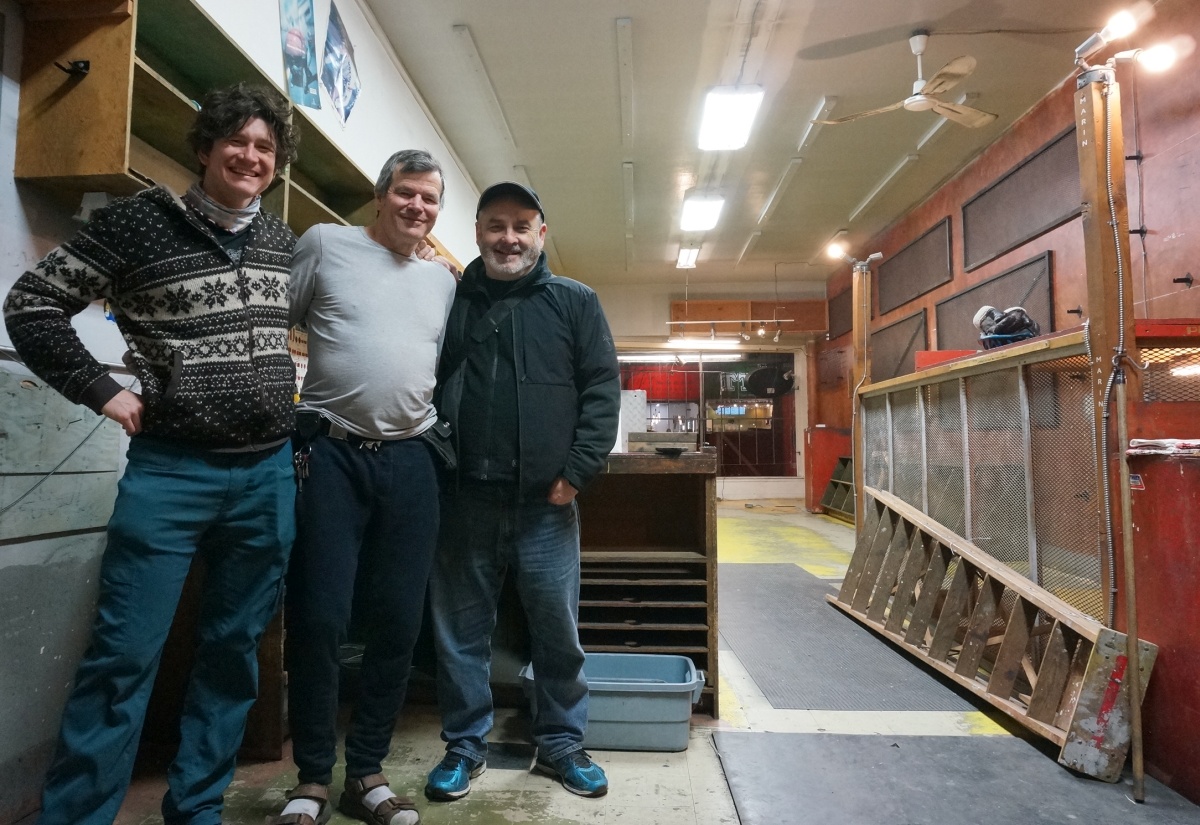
point(685, 788)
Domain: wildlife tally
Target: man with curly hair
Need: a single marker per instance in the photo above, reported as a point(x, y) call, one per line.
point(198, 288)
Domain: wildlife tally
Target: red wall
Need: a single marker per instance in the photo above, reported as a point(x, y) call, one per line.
point(1167, 127)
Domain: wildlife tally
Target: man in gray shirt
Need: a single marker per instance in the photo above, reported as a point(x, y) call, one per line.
point(367, 508)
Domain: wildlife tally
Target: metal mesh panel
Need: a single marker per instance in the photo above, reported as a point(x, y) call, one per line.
point(875, 436)
point(1067, 503)
point(907, 452)
point(944, 454)
point(1173, 374)
point(998, 458)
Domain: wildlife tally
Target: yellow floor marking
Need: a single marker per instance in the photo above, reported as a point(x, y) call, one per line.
point(770, 541)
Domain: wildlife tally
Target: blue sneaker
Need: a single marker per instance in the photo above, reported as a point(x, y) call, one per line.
point(451, 779)
point(577, 772)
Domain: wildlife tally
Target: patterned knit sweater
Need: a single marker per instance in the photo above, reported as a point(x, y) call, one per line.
point(207, 336)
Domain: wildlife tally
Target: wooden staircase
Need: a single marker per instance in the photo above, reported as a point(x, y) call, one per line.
point(1046, 664)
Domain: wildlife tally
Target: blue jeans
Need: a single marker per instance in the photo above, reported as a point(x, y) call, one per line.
point(484, 532)
point(369, 515)
point(172, 503)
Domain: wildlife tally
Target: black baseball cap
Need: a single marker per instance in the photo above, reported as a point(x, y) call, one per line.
point(510, 189)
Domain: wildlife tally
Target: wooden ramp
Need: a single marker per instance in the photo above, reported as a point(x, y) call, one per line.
point(1049, 666)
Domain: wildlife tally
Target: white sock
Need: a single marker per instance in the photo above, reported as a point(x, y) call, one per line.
point(373, 797)
point(303, 806)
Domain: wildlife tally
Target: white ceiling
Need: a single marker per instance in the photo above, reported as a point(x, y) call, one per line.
point(554, 67)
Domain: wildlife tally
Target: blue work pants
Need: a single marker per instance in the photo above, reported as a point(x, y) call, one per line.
point(174, 502)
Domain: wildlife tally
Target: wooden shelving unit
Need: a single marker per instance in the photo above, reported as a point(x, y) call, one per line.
point(123, 126)
point(838, 499)
point(649, 560)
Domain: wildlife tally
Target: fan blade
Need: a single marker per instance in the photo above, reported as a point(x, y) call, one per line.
point(964, 115)
point(949, 75)
point(867, 113)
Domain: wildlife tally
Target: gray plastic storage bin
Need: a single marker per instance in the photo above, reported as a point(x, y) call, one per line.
point(636, 701)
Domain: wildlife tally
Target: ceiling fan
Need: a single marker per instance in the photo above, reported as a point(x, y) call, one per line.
point(924, 93)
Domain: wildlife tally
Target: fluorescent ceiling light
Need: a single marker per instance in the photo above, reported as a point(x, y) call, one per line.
point(750, 242)
point(883, 184)
point(625, 77)
point(700, 213)
point(672, 358)
point(777, 193)
point(822, 112)
point(687, 258)
point(728, 116)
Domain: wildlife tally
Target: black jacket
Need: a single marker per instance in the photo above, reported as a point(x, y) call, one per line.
point(568, 384)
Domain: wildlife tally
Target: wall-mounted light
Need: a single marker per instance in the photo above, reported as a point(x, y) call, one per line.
point(1160, 57)
point(1121, 24)
point(729, 113)
point(837, 246)
point(687, 257)
point(762, 330)
point(778, 332)
point(701, 213)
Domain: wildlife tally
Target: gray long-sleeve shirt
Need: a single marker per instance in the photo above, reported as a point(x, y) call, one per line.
point(375, 321)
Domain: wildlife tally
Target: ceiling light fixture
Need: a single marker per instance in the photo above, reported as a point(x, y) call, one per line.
point(762, 330)
point(883, 184)
point(701, 213)
point(778, 332)
point(750, 242)
point(627, 191)
point(687, 257)
point(729, 113)
point(822, 112)
point(777, 193)
point(625, 78)
point(474, 62)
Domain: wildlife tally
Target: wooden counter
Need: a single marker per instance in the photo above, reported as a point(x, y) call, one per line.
point(649, 560)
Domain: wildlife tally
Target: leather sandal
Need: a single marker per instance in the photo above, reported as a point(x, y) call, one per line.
point(311, 791)
point(351, 803)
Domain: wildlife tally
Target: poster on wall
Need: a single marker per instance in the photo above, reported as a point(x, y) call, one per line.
point(338, 75)
point(298, 33)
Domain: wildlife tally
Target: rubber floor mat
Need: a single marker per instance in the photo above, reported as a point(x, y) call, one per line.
point(820, 778)
point(804, 654)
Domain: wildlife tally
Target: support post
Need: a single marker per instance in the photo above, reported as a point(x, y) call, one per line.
point(1111, 331)
point(861, 296)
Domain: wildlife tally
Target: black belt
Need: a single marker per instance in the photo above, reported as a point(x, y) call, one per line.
point(334, 430)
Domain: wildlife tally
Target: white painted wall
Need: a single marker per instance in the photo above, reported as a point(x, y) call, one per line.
point(388, 116)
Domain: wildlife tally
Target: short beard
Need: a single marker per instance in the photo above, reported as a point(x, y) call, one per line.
point(521, 266)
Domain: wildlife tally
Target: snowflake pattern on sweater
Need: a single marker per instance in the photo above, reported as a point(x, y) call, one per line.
point(207, 335)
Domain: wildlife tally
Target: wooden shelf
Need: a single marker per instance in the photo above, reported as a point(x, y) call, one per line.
point(649, 560)
point(641, 556)
point(838, 499)
point(161, 115)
